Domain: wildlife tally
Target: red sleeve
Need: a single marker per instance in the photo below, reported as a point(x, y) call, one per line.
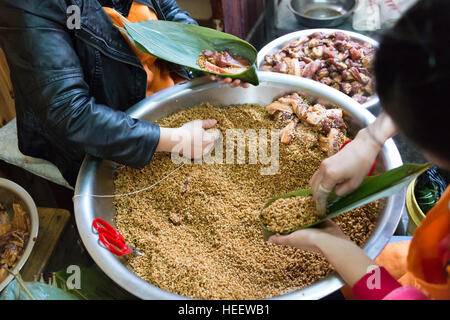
point(375, 285)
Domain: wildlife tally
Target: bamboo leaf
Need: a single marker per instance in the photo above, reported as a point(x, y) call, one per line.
point(95, 285)
point(182, 44)
point(371, 189)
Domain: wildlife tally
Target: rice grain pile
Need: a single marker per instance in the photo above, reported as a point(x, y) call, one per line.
point(286, 214)
point(199, 230)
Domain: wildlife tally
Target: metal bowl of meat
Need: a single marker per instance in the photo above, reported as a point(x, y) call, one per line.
point(19, 225)
point(322, 13)
point(337, 58)
point(96, 176)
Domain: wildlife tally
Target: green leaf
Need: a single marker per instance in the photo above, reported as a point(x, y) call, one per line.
point(95, 285)
point(371, 189)
point(182, 44)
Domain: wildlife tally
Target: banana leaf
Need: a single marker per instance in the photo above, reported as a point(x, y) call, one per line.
point(182, 44)
point(371, 189)
point(95, 285)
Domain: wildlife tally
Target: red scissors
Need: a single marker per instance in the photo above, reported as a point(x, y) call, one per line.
point(112, 239)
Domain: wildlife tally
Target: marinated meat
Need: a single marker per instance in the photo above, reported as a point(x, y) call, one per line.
point(5, 228)
point(20, 220)
point(222, 62)
point(293, 100)
point(330, 143)
point(176, 219)
point(10, 254)
point(287, 133)
point(3, 274)
point(4, 219)
point(14, 235)
point(327, 124)
point(311, 68)
point(332, 59)
point(278, 106)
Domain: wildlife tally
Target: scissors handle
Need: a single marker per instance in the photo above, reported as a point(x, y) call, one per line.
point(111, 238)
point(114, 245)
point(104, 227)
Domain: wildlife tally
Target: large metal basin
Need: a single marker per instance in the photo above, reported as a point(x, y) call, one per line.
point(96, 176)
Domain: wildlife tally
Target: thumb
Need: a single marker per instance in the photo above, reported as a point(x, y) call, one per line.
point(209, 123)
point(280, 240)
point(321, 198)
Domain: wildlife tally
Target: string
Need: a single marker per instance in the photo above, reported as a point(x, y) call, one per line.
point(129, 193)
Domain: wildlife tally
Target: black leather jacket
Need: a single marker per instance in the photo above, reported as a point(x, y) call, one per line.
point(72, 86)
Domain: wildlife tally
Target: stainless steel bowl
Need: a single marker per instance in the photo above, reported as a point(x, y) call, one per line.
point(279, 43)
point(11, 192)
point(322, 13)
point(96, 176)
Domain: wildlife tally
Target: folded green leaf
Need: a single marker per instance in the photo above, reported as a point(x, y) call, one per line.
point(182, 44)
point(371, 189)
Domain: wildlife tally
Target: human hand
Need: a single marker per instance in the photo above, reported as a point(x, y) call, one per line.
point(344, 171)
point(190, 140)
point(311, 239)
point(233, 83)
point(345, 256)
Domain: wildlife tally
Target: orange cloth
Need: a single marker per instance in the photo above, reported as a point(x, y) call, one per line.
point(424, 261)
point(158, 74)
point(417, 262)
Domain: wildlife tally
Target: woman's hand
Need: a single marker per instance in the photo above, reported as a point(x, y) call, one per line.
point(310, 239)
point(190, 140)
point(345, 256)
point(233, 83)
point(344, 171)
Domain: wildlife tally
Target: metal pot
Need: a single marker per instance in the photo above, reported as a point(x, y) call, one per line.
point(278, 44)
point(322, 13)
point(96, 176)
point(11, 192)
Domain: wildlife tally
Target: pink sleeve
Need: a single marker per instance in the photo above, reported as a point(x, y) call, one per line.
point(375, 285)
point(405, 293)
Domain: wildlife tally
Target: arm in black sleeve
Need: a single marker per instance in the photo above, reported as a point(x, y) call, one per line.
point(173, 12)
point(49, 84)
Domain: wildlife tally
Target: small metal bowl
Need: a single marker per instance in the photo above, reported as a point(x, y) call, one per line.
point(11, 192)
point(322, 13)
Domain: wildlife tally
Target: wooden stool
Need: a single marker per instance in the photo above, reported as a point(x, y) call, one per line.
point(51, 225)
